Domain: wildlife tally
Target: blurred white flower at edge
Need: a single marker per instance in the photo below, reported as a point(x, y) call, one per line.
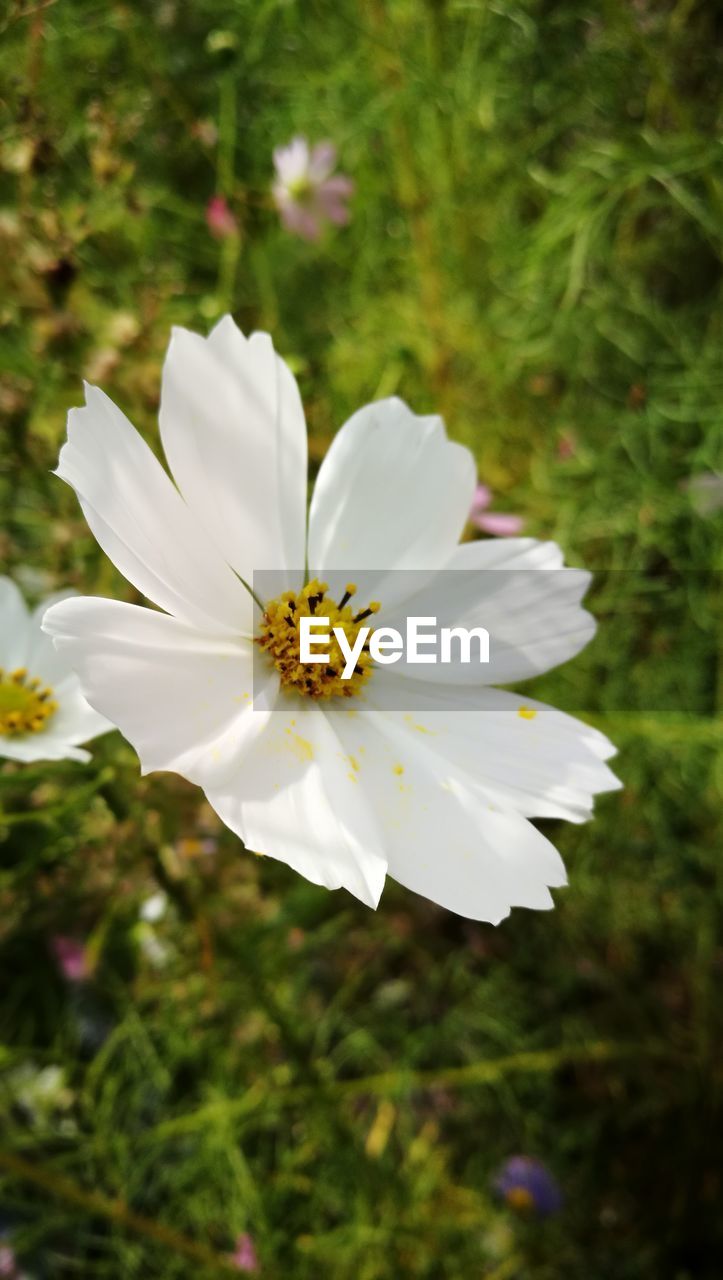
point(43, 714)
point(706, 493)
point(43, 1094)
point(151, 911)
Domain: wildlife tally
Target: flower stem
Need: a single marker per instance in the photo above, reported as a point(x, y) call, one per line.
point(415, 203)
point(230, 245)
point(116, 1210)
point(484, 1072)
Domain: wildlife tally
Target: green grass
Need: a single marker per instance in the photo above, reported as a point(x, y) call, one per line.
point(536, 251)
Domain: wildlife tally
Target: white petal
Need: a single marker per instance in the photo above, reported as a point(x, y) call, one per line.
point(292, 161)
point(392, 493)
point(14, 626)
point(507, 553)
point(43, 659)
point(22, 643)
point(297, 798)
point(514, 751)
point(528, 602)
point(234, 434)
point(40, 746)
point(182, 698)
point(442, 838)
point(75, 721)
point(143, 524)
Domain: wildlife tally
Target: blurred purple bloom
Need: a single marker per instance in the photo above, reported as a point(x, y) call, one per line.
point(71, 959)
point(244, 1257)
point(706, 492)
point(526, 1184)
point(499, 524)
point(219, 218)
point(306, 191)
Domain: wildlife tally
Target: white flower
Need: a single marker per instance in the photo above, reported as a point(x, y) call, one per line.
point(43, 714)
point(153, 908)
point(343, 789)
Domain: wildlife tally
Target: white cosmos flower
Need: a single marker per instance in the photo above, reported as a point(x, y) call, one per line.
point(43, 714)
point(343, 789)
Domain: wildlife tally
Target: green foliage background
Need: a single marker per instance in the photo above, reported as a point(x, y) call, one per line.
point(536, 252)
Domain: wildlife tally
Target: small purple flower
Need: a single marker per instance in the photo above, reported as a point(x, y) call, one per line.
point(71, 959)
point(7, 1261)
point(308, 194)
point(527, 1185)
point(499, 524)
point(244, 1256)
point(219, 219)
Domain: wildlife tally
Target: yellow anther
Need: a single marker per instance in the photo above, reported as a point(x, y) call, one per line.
point(25, 705)
point(280, 638)
point(374, 607)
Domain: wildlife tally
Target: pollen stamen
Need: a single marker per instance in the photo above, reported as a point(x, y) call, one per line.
point(26, 706)
point(280, 638)
point(374, 607)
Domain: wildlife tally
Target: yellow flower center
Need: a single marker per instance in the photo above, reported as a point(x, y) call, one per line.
point(25, 705)
point(300, 189)
point(280, 638)
point(520, 1198)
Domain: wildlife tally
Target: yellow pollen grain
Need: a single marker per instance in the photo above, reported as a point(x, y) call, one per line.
point(399, 770)
point(302, 747)
point(420, 728)
point(280, 638)
point(26, 706)
point(354, 763)
point(526, 713)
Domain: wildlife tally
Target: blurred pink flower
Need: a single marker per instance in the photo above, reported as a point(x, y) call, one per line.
point(219, 218)
point(205, 132)
point(499, 524)
point(244, 1257)
point(71, 959)
point(7, 1261)
point(566, 448)
point(306, 191)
